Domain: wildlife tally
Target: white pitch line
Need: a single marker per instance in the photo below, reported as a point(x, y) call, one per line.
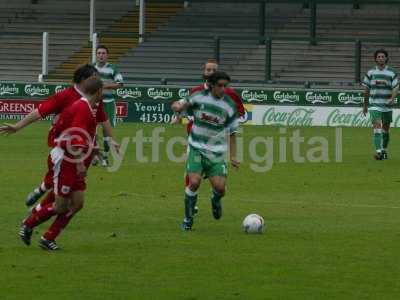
point(326, 204)
point(271, 202)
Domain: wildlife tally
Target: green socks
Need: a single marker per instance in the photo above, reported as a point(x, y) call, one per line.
point(216, 198)
point(378, 139)
point(106, 145)
point(190, 202)
point(385, 139)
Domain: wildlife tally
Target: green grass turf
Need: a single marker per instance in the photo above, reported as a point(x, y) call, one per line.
point(333, 229)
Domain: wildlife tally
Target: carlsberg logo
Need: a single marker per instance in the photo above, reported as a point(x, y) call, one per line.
point(296, 117)
point(159, 94)
point(36, 90)
point(346, 98)
point(286, 97)
point(314, 98)
point(129, 93)
point(258, 96)
point(59, 88)
point(8, 90)
point(183, 93)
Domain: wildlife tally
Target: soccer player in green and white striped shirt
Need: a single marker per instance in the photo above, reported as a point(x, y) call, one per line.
point(215, 124)
point(112, 80)
point(381, 88)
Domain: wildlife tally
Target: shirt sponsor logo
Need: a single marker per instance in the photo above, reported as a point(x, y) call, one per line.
point(210, 119)
point(380, 82)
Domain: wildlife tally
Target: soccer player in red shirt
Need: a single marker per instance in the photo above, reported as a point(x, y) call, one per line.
point(55, 104)
point(74, 140)
point(209, 68)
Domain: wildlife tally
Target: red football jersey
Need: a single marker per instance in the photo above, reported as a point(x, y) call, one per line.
point(58, 102)
point(76, 126)
point(229, 91)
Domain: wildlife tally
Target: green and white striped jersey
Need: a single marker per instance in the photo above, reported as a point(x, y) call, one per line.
point(213, 120)
point(380, 84)
point(110, 73)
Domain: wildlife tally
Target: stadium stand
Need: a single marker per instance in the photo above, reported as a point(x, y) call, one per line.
point(178, 49)
point(120, 36)
point(327, 62)
point(21, 36)
point(178, 40)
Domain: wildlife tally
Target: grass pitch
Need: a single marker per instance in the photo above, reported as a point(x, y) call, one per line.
point(332, 228)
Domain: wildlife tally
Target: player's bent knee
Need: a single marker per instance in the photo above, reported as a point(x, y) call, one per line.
point(60, 209)
point(61, 205)
point(220, 190)
point(194, 186)
point(194, 182)
point(77, 201)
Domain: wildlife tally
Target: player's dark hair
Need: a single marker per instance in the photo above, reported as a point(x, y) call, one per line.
point(83, 73)
point(216, 76)
point(92, 85)
point(102, 47)
point(381, 51)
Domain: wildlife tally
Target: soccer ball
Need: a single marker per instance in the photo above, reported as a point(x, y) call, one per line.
point(253, 223)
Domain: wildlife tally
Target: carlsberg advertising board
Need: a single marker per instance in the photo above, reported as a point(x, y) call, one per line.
point(305, 97)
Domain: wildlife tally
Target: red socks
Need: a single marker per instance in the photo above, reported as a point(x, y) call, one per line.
point(58, 225)
point(41, 214)
point(44, 211)
point(50, 198)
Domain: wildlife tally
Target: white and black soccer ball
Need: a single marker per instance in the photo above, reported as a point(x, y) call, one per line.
point(253, 223)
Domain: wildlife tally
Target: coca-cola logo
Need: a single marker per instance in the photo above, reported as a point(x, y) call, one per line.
point(296, 117)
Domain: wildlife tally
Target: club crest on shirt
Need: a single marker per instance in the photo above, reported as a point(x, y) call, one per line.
point(65, 189)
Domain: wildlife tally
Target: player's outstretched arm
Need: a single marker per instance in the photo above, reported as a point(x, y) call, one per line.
point(180, 111)
point(109, 85)
point(392, 99)
point(180, 106)
point(14, 128)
